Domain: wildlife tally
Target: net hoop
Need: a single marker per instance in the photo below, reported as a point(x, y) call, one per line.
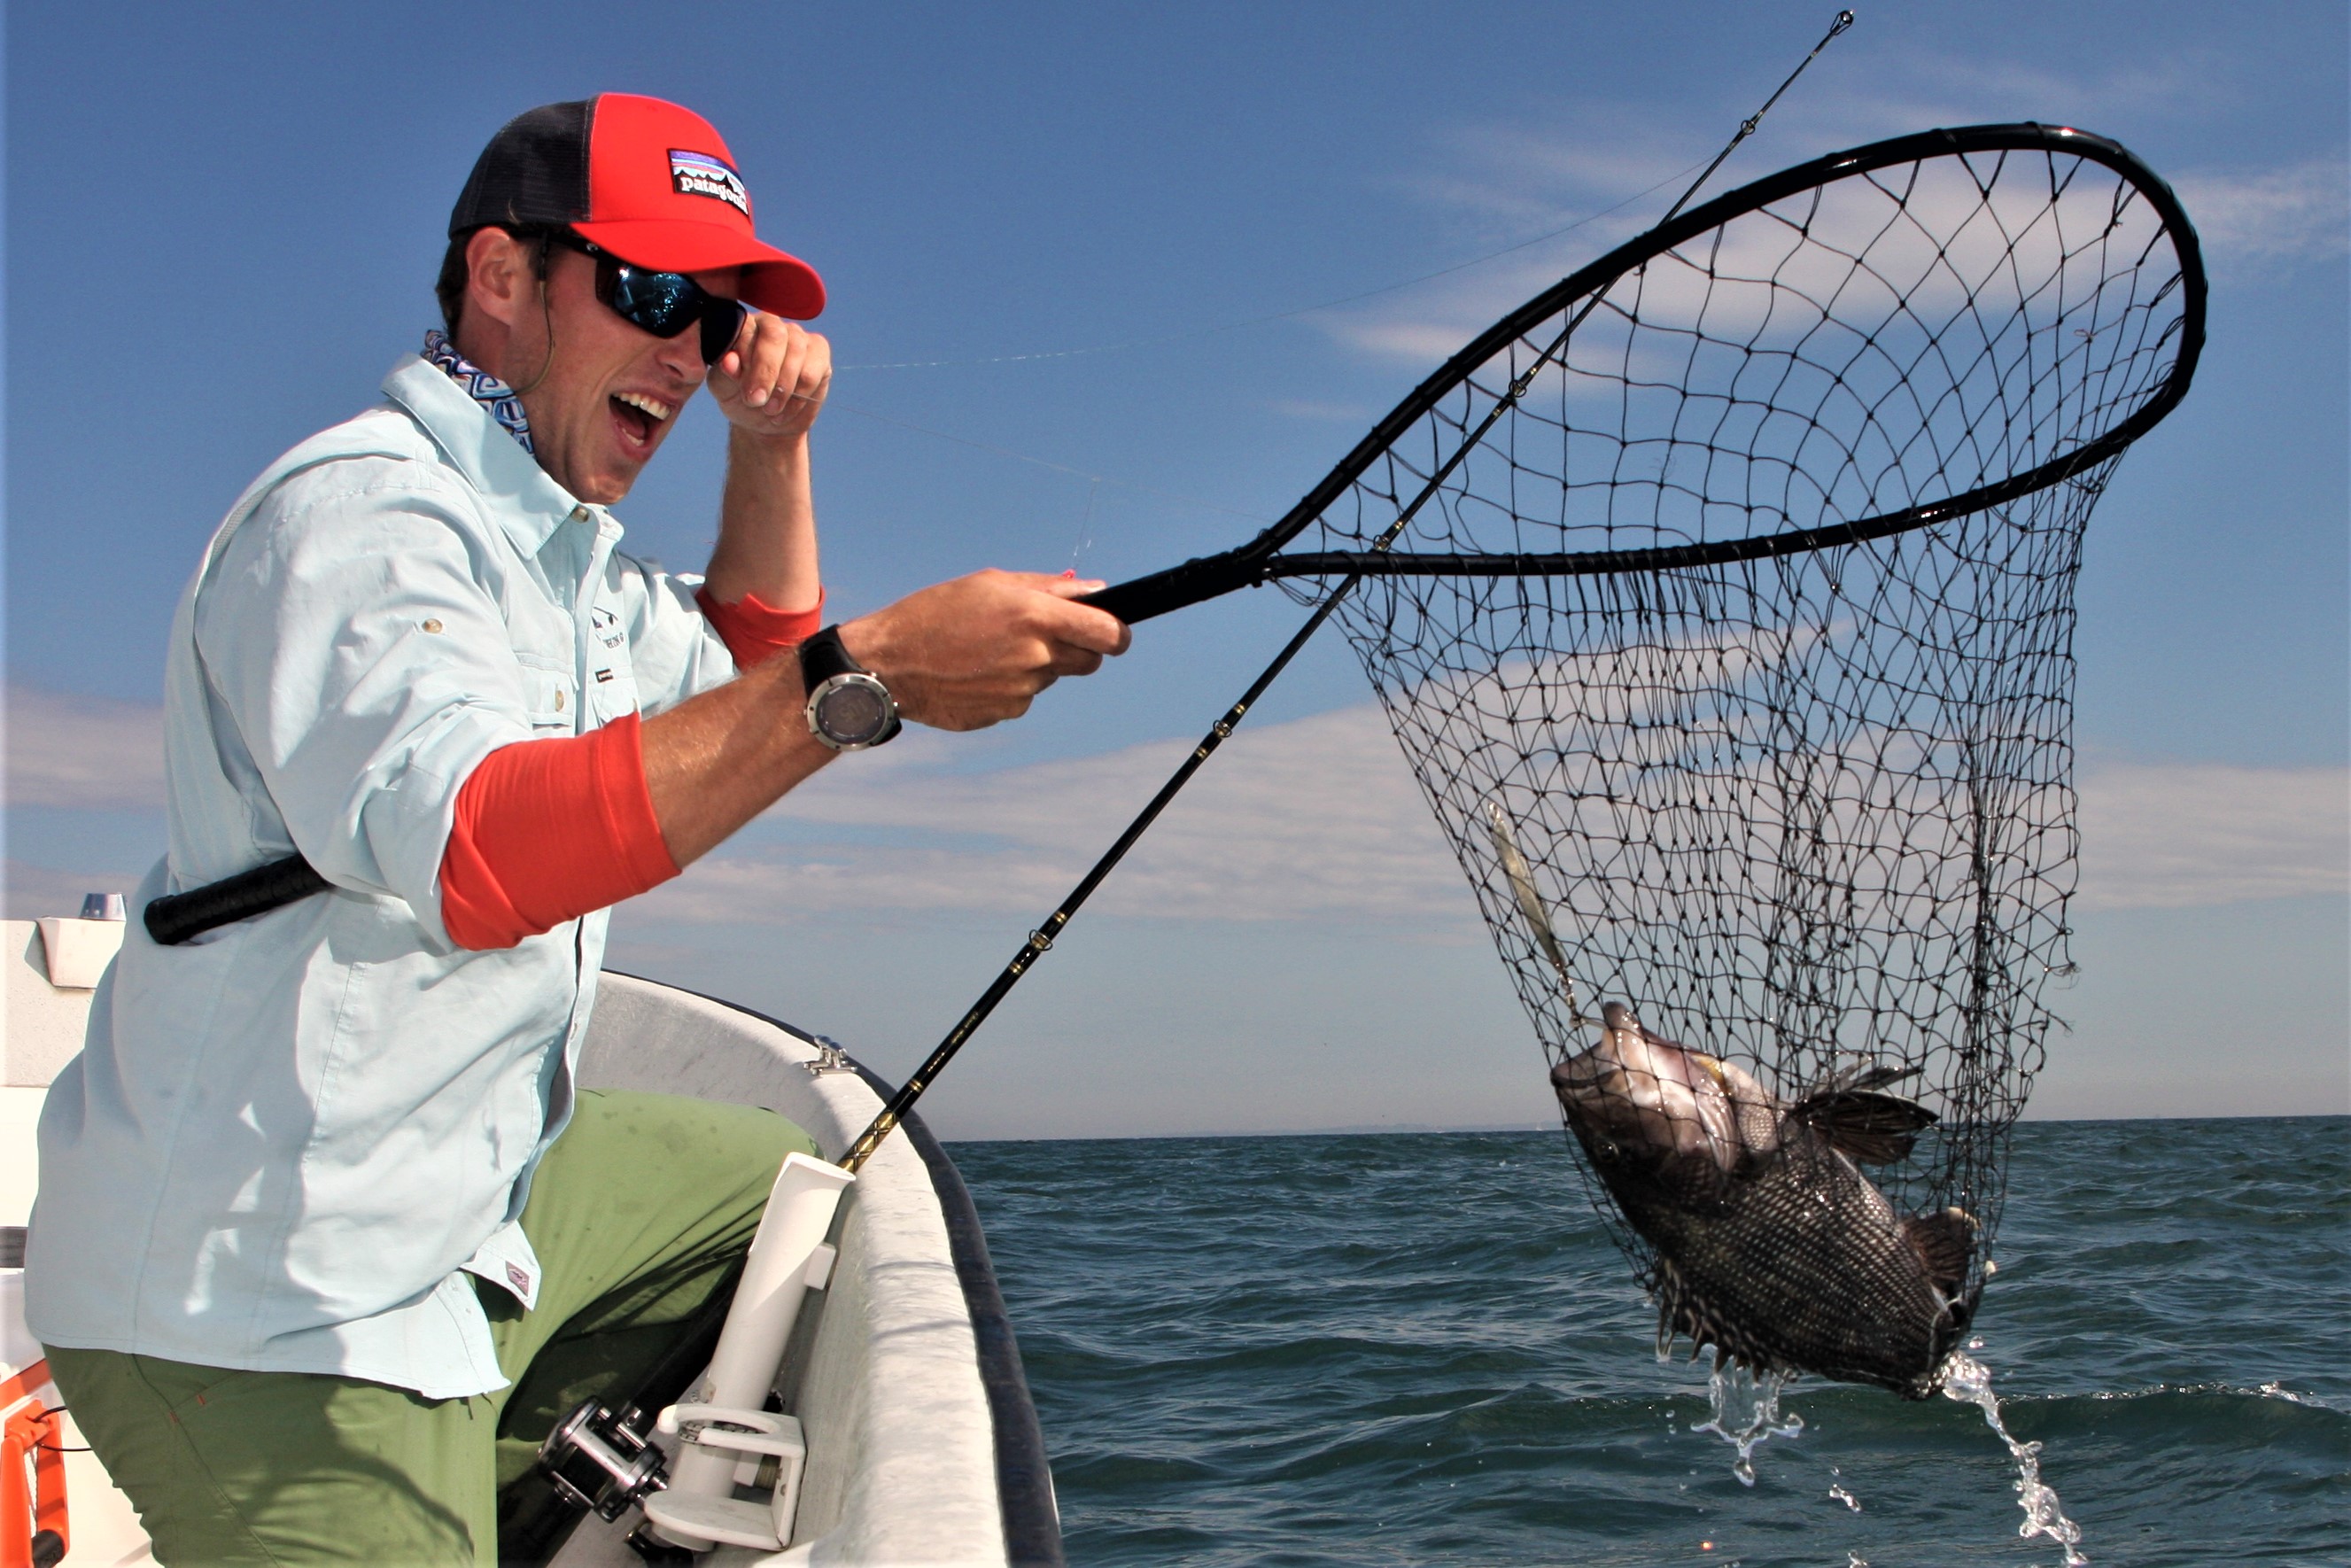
point(1259, 561)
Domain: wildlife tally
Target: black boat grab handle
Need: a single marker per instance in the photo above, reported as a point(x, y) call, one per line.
point(176, 917)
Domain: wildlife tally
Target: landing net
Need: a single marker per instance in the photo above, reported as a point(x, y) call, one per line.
point(1814, 812)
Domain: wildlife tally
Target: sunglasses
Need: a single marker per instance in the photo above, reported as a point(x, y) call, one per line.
point(662, 303)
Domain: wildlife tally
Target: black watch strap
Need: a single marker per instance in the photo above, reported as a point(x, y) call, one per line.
point(822, 657)
point(849, 708)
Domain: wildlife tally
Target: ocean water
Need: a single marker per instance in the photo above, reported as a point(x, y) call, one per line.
point(1423, 1348)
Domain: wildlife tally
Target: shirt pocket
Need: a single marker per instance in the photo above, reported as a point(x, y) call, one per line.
point(551, 694)
point(611, 684)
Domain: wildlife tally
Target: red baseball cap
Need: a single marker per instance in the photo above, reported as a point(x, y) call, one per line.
point(648, 181)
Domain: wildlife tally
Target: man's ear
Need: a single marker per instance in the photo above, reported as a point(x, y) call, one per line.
point(501, 275)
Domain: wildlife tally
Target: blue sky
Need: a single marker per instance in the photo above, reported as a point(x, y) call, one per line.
point(223, 225)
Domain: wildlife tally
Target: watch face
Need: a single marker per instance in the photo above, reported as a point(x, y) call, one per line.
point(853, 712)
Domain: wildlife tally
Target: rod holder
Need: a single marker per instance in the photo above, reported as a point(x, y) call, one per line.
point(776, 1280)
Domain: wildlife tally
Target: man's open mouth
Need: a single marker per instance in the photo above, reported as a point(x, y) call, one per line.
point(640, 418)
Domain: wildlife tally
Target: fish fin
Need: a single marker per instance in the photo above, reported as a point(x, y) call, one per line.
point(1683, 1314)
point(1864, 1075)
point(1864, 1125)
point(1945, 1243)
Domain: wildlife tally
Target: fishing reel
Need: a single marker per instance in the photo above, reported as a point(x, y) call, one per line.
point(598, 1462)
point(601, 1462)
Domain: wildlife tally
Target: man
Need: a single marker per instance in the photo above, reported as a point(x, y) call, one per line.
point(312, 1266)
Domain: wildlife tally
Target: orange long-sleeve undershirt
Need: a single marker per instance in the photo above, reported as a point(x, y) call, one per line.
point(755, 631)
point(547, 831)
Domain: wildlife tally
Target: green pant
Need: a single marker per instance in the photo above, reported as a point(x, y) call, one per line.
point(637, 1215)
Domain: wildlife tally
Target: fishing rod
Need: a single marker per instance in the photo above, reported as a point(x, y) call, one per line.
point(179, 917)
point(1041, 940)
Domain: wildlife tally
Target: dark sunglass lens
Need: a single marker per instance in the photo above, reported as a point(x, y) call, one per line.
point(667, 303)
point(662, 303)
point(721, 320)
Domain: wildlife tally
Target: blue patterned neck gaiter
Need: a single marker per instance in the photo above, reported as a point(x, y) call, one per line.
point(481, 386)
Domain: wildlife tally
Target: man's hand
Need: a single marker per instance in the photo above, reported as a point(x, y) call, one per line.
point(772, 383)
point(973, 652)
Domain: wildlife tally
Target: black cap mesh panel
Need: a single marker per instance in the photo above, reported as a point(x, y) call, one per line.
point(534, 171)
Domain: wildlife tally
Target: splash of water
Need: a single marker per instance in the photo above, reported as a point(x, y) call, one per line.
point(1968, 1380)
point(1746, 1414)
point(1846, 1498)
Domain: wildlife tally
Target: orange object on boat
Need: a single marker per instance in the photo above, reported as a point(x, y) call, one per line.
point(33, 1529)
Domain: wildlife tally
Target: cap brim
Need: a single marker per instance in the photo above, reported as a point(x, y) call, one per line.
point(774, 281)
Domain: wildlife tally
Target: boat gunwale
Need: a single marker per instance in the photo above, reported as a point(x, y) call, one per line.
point(1024, 1477)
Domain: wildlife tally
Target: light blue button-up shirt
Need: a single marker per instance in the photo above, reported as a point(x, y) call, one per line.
point(290, 1145)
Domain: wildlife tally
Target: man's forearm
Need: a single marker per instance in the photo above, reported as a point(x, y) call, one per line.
point(766, 524)
point(717, 760)
point(958, 655)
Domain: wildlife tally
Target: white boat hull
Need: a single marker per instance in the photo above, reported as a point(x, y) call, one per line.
point(923, 1446)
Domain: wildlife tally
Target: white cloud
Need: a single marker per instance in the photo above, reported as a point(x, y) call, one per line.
point(1488, 182)
point(1317, 818)
point(1320, 818)
point(1906, 89)
point(1857, 280)
point(1512, 180)
point(2274, 216)
point(2188, 835)
point(1314, 819)
point(81, 751)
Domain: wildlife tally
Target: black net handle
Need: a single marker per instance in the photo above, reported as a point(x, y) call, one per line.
point(1258, 561)
point(176, 917)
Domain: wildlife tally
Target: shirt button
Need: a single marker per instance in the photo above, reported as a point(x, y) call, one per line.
point(579, 514)
point(432, 625)
point(558, 702)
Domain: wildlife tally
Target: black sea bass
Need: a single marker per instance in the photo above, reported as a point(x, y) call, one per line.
point(1770, 1244)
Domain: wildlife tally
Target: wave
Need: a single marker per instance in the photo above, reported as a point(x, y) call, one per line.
point(1417, 1350)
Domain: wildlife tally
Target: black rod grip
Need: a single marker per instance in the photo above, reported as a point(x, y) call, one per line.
point(1200, 579)
point(172, 919)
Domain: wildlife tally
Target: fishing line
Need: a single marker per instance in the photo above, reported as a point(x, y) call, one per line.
point(1085, 529)
point(1192, 334)
point(1040, 941)
point(1087, 474)
point(1746, 129)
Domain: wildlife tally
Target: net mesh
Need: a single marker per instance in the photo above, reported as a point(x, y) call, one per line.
point(1807, 815)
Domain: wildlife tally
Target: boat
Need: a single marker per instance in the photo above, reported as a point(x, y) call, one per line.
point(921, 1440)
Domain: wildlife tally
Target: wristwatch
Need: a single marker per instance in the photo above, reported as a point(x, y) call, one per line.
point(849, 708)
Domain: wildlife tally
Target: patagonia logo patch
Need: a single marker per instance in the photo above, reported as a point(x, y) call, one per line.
point(519, 1278)
point(700, 174)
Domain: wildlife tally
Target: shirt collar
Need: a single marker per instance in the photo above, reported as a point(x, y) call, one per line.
point(504, 403)
point(492, 460)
